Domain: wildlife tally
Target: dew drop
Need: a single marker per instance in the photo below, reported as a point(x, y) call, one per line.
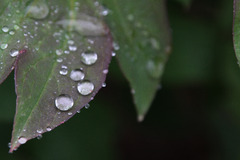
point(5, 29)
point(116, 47)
point(39, 137)
point(104, 85)
point(155, 69)
point(69, 113)
point(40, 131)
point(63, 71)
point(105, 71)
point(4, 46)
point(37, 10)
point(59, 60)
point(113, 54)
point(64, 102)
point(16, 27)
point(89, 57)
point(73, 48)
point(49, 129)
point(59, 52)
point(11, 33)
point(22, 140)
point(77, 75)
point(87, 106)
point(14, 53)
point(85, 88)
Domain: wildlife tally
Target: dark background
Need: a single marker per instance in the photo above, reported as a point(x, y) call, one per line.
point(195, 116)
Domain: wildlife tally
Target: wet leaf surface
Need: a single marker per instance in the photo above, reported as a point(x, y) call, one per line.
point(141, 30)
point(236, 28)
point(45, 54)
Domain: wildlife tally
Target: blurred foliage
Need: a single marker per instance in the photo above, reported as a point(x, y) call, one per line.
point(195, 116)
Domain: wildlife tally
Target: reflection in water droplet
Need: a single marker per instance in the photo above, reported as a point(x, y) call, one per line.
point(104, 85)
point(73, 48)
point(77, 75)
point(64, 102)
point(37, 10)
point(85, 88)
point(40, 131)
point(14, 53)
point(22, 140)
point(89, 57)
point(69, 113)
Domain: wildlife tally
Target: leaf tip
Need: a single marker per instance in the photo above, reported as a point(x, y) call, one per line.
point(140, 118)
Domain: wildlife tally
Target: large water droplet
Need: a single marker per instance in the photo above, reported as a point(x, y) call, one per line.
point(85, 88)
point(64, 102)
point(22, 140)
point(77, 75)
point(14, 53)
point(89, 57)
point(37, 10)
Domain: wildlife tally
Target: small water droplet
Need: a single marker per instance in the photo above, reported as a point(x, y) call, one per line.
point(154, 68)
point(77, 75)
point(37, 10)
point(116, 47)
point(69, 113)
point(104, 85)
point(85, 88)
point(87, 106)
point(49, 129)
point(11, 33)
point(14, 53)
point(16, 27)
point(22, 140)
point(73, 48)
point(89, 57)
point(40, 131)
point(59, 52)
point(39, 137)
point(64, 102)
point(59, 60)
point(113, 54)
point(5, 29)
point(105, 71)
point(4, 46)
point(79, 111)
point(9, 145)
point(63, 71)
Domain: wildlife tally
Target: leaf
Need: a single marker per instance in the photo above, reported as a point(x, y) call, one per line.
point(186, 3)
point(236, 28)
point(51, 48)
point(141, 30)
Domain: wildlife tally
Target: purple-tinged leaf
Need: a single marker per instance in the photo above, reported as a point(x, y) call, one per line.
point(63, 65)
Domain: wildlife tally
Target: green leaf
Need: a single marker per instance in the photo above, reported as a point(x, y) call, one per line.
point(141, 30)
point(55, 39)
point(186, 3)
point(236, 28)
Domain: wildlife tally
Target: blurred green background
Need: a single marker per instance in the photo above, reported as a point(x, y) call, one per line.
point(195, 116)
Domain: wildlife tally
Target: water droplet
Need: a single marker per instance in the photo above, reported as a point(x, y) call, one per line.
point(63, 71)
point(79, 111)
point(39, 137)
point(77, 75)
point(105, 71)
point(22, 140)
point(37, 10)
point(73, 48)
point(49, 129)
point(9, 145)
point(69, 113)
point(4, 46)
point(104, 85)
point(59, 52)
point(116, 47)
point(59, 60)
point(14, 53)
point(40, 131)
point(70, 42)
point(5, 29)
point(87, 106)
point(84, 25)
point(113, 54)
point(11, 33)
point(16, 27)
point(89, 57)
point(154, 68)
point(85, 88)
point(64, 102)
